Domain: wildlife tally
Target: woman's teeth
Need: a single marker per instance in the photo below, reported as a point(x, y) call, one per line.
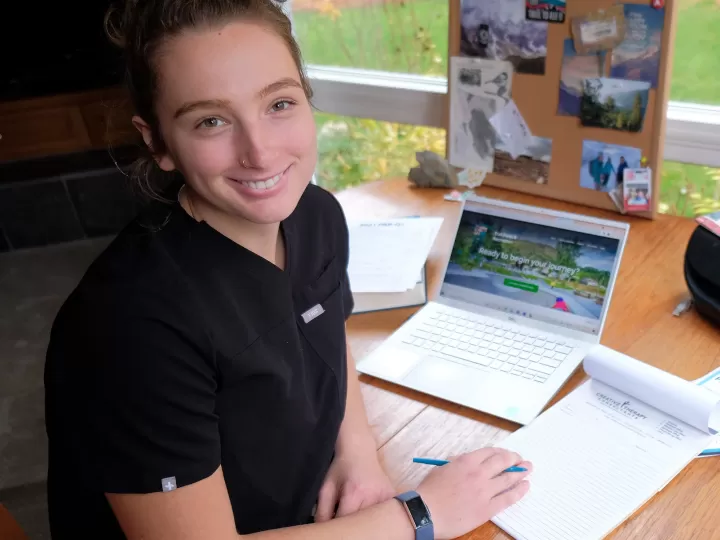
point(264, 184)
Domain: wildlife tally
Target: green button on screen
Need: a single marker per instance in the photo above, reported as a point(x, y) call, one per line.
point(530, 287)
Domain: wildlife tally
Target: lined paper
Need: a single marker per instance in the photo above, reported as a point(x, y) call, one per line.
point(598, 455)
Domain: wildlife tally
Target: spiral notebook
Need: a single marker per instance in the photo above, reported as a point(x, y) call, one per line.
point(606, 448)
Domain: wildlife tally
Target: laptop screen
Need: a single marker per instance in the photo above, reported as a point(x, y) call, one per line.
point(553, 267)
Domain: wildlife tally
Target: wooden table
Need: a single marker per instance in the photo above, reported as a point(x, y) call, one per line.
point(639, 323)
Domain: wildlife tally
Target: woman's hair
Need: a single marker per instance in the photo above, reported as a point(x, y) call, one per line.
point(141, 27)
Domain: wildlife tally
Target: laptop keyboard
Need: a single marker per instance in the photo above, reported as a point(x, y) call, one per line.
point(481, 340)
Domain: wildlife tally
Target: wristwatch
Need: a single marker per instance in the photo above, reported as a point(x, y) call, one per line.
point(419, 515)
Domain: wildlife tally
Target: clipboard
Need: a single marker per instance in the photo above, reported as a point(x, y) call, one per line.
point(373, 302)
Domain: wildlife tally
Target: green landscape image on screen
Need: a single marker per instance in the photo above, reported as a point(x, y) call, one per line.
point(540, 265)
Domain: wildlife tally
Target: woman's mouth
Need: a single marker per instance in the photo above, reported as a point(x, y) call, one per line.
point(263, 184)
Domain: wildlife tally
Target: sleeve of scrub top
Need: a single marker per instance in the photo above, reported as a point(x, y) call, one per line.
point(149, 421)
point(343, 252)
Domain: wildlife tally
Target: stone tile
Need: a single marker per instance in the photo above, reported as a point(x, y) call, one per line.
point(104, 201)
point(28, 505)
point(33, 285)
point(38, 214)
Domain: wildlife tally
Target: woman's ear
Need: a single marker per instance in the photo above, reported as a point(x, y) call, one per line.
point(164, 161)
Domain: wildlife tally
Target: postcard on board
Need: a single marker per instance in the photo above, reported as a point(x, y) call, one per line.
point(575, 69)
point(637, 190)
point(614, 103)
point(498, 30)
point(638, 56)
point(533, 164)
point(480, 88)
point(604, 165)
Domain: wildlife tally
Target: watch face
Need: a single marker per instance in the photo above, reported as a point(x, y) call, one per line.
point(419, 513)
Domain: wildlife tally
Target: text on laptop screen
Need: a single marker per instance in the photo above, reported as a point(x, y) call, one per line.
point(560, 275)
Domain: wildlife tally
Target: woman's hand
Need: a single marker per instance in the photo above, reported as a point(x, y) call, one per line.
point(471, 489)
point(355, 481)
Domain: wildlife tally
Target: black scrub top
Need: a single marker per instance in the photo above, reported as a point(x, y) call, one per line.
point(181, 351)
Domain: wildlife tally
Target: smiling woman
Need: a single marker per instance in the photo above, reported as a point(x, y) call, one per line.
point(198, 381)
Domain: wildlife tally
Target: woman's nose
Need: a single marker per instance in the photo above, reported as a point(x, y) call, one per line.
point(256, 148)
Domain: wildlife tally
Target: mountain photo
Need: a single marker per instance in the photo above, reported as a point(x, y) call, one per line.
point(637, 58)
point(575, 69)
point(614, 104)
point(498, 30)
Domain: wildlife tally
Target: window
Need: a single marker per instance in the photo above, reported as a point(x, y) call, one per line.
point(355, 150)
point(409, 36)
point(347, 41)
point(696, 62)
point(689, 190)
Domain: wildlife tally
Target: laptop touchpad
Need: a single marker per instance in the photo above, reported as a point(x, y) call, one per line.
point(441, 377)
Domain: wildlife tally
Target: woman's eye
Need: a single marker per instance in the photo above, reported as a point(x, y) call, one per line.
point(282, 105)
point(211, 122)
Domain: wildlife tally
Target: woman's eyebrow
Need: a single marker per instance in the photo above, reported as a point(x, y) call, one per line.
point(190, 106)
point(202, 104)
point(278, 85)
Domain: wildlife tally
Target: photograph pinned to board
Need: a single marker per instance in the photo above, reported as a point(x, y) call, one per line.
point(604, 165)
point(638, 56)
point(532, 165)
point(614, 104)
point(552, 11)
point(498, 30)
point(575, 69)
point(479, 90)
point(637, 190)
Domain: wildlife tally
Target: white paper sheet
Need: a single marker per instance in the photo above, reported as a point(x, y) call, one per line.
point(512, 129)
point(388, 255)
point(655, 387)
point(598, 455)
point(480, 88)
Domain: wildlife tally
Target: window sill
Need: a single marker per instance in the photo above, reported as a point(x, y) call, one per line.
point(692, 130)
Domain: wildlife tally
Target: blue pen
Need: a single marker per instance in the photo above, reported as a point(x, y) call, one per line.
point(441, 462)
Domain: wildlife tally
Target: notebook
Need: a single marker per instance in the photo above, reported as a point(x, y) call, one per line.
point(381, 301)
point(606, 448)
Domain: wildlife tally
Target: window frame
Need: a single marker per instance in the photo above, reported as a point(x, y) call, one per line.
point(692, 130)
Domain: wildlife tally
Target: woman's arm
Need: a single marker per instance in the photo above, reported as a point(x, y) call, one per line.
point(355, 431)
point(460, 496)
point(355, 479)
point(202, 510)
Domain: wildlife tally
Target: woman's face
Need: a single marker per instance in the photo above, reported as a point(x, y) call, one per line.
point(235, 120)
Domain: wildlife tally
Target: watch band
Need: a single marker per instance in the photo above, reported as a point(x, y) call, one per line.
point(424, 531)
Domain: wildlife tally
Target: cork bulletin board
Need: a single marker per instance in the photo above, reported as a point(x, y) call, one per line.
point(537, 94)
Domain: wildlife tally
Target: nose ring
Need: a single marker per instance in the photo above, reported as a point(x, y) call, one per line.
point(244, 163)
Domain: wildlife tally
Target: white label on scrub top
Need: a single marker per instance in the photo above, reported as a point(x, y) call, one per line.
point(313, 313)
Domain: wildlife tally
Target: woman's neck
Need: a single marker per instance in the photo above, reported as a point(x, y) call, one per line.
point(263, 240)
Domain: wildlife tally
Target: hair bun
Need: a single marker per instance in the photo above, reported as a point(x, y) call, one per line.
point(116, 18)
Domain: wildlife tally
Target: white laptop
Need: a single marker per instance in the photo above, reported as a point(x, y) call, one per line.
point(523, 298)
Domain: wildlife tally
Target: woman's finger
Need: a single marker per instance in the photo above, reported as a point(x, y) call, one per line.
point(508, 497)
point(506, 480)
point(327, 499)
point(497, 463)
point(349, 504)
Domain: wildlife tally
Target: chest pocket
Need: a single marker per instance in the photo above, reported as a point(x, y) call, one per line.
point(322, 304)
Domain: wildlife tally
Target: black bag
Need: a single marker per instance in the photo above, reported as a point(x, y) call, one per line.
point(702, 273)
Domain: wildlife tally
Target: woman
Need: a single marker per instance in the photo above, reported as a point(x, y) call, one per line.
point(198, 382)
